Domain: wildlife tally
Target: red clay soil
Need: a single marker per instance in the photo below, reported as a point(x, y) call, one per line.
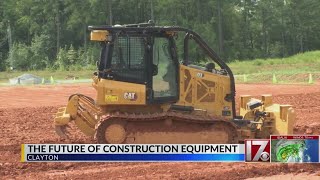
point(38, 96)
point(26, 115)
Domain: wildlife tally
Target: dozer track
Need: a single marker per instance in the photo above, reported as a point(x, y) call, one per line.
point(167, 127)
point(172, 127)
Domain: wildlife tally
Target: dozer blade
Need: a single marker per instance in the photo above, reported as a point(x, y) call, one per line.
point(62, 131)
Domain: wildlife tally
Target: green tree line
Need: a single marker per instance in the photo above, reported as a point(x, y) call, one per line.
point(39, 34)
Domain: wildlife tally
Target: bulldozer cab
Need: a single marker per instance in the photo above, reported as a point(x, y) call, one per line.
point(148, 59)
point(146, 55)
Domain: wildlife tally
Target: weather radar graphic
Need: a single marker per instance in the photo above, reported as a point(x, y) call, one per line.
point(294, 149)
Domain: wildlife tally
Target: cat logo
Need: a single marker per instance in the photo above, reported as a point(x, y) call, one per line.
point(130, 96)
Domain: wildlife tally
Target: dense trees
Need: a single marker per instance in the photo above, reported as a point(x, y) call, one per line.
point(38, 34)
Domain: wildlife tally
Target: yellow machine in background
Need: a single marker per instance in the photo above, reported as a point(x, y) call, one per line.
point(145, 95)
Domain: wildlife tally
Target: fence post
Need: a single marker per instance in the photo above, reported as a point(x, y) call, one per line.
point(51, 80)
point(310, 79)
point(245, 78)
point(274, 79)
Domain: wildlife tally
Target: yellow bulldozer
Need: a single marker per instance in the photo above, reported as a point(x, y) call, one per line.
point(146, 95)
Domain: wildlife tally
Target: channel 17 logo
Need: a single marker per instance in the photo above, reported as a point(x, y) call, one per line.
point(257, 150)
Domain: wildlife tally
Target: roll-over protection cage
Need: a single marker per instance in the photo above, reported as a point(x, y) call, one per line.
point(149, 28)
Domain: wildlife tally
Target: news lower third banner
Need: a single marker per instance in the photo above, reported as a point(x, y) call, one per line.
point(132, 153)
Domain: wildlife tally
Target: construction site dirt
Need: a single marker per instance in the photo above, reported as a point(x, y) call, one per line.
point(26, 116)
